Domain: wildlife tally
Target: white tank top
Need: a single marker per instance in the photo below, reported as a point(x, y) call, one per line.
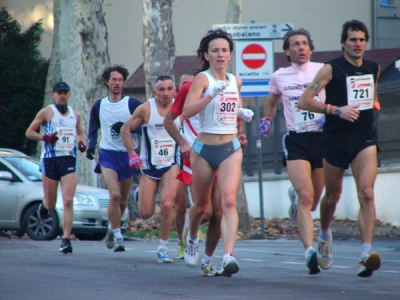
point(110, 113)
point(219, 116)
point(158, 149)
point(65, 126)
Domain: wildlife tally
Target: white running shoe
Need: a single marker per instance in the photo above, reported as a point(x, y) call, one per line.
point(119, 244)
point(191, 252)
point(208, 269)
point(324, 254)
point(230, 265)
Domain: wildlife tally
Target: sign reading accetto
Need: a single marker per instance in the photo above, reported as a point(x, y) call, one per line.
point(255, 31)
point(254, 59)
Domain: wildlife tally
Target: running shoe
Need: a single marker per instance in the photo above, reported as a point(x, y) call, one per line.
point(109, 237)
point(324, 254)
point(119, 244)
point(312, 263)
point(293, 203)
point(230, 265)
point(208, 269)
point(369, 262)
point(181, 250)
point(185, 230)
point(191, 252)
point(43, 211)
point(66, 246)
point(163, 256)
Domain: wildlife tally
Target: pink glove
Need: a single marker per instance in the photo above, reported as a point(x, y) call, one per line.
point(135, 162)
point(51, 139)
point(81, 146)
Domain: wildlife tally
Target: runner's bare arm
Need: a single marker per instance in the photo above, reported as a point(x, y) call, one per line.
point(306, 100)
point(134, 121)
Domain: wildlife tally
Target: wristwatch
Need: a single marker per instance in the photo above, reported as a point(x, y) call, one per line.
point(337, 111)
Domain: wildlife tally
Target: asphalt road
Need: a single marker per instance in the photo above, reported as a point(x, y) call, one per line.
point(269, 269)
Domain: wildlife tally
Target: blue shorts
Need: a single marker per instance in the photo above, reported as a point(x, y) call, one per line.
point(214, 155)
point(57, 167)
point(117, 161)
point(157, 174)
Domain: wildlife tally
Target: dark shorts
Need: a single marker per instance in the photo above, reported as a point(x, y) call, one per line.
point(156, 174)
point(215, 154)
point(305, 146)
point(117, 161)
point(57, 167)
point(339, 150)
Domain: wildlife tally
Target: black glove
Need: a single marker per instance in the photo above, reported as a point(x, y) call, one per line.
point(90, 153)
point(117, 127)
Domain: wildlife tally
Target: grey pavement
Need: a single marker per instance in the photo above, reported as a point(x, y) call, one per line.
point(269, 269)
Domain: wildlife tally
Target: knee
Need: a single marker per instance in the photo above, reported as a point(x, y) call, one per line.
point(366, 196)
point(332, 199)
point(306, 199)
point(180, 208)
point(145, 214)
point(68, 202)
point(115, 197)
point(229, 202)
point(166, 206)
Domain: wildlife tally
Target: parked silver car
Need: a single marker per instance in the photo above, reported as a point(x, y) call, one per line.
point(21, 193)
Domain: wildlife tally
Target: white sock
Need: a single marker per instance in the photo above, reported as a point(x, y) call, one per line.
point(195, 241)
point(308, 251)
point(325, 235)
point(163, 244)
point(207, 258)
point(226, 256)
point(109, 226)
point(365, 247)
point(117, 233)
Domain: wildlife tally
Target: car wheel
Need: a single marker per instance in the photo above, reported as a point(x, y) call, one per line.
point(9, 233)
point(39, 229)
point(98, 236)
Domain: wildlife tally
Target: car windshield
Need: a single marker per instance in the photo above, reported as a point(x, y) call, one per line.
point(28, 166)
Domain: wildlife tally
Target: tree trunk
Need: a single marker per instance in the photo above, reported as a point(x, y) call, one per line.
point(234, 15)
point(158, 42)
point(54, 72)
point(95, 56)
point(72, 72)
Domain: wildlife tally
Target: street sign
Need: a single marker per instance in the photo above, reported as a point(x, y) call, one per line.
point(254, 56)
point(256, 31)
point(254, 59)
point(254, 88)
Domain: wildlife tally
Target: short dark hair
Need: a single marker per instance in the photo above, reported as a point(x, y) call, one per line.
point(115, 68)
point(205, 41)
point(290, 33)
point(163, 78)
point(353, 25)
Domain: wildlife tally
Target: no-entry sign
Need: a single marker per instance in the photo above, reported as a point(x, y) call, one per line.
point(254, 56)
point(254, 59)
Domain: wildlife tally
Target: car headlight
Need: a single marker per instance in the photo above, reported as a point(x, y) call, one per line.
point(82, 199)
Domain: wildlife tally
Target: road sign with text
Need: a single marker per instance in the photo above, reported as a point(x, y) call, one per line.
point(254, 59)
point(256, 31)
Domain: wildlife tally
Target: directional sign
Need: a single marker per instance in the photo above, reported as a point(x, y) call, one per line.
point(254, 59)
point(254, 88)
point(256, 31)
